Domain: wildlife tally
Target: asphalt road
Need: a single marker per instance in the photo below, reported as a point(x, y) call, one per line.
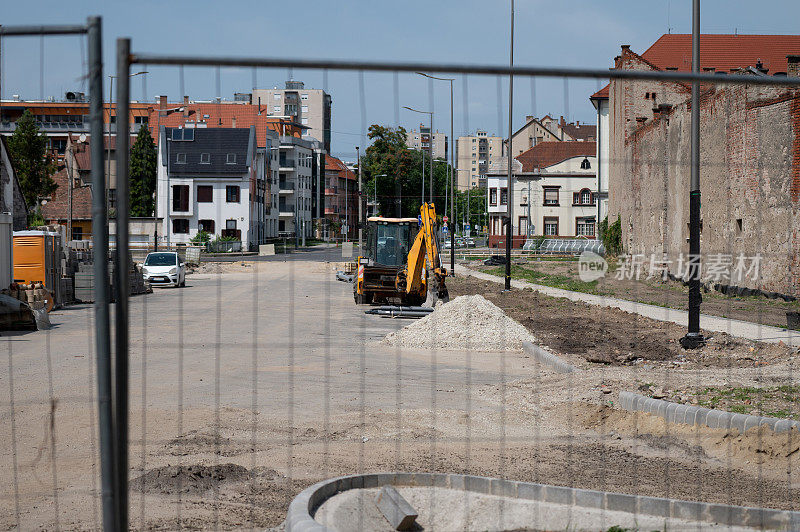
point(319, 253)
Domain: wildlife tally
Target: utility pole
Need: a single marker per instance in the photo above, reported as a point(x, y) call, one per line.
point(694, 338)
point(510, 203)
point(360, 203)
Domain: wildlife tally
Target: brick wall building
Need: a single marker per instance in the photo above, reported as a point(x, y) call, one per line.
point(750, 158)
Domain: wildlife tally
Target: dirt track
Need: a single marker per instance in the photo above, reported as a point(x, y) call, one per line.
point(331, 400)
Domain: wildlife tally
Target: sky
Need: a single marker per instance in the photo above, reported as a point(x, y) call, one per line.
point(574, 33)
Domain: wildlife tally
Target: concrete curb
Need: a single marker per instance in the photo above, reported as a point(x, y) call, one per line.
point(303, 507)
point(547, 358)
point(698, 415)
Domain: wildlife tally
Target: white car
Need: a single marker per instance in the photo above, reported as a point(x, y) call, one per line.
point(164, 268)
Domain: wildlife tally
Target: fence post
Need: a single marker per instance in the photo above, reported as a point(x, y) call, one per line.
point(101, 286)
point(121, 274)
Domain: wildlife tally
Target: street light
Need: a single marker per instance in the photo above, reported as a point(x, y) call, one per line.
point(108, 136)
point(450, 171)
point(430, 143)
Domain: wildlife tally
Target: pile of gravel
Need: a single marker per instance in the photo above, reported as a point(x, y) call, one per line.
point(466, 322)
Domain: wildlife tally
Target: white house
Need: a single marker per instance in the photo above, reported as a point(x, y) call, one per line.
point(554, 193)
point(213, 180)
point(600, 101)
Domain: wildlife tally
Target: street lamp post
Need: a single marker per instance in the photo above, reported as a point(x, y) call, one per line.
point(108, 135)
point(360, 202)
point(510, 231)
point(450, 172)
point(430, 143)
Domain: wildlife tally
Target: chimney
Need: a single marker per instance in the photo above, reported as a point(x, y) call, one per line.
point(794, 65)
point(185, 106)
point(233, 122)
point(626, 48)
point(162, 102)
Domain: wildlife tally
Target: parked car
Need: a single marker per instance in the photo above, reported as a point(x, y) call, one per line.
point(446, 244)
point(470, 243)
point(459, 242)
point(164, 268)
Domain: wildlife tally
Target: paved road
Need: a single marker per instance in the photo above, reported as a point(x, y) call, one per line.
point(319, 253)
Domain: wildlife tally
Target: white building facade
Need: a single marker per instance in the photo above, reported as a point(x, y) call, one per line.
point(212, 180)
point(292, 192)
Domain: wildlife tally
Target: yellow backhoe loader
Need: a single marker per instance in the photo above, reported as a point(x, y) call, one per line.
point(393, 264)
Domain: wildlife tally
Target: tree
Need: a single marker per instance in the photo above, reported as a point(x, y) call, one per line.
point(144, 166)
point(33, 164)
point(395, 173)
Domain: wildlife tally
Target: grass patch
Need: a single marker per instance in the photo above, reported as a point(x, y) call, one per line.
point(776, 401)
point(548, 279)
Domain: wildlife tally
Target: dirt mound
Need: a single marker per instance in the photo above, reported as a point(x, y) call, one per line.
point(466, 322)
point(191, 479)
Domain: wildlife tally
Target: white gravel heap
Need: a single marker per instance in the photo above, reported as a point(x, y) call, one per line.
point(466, 322)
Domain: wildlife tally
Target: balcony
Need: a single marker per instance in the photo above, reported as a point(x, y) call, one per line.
point(331, 210)
point(286, 211)
point(286, 188)
point(331, 191)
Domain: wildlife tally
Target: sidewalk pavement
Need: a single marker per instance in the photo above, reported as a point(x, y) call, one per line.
point(742, 329)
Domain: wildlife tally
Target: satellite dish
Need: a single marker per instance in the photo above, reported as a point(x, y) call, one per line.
point(82, 137)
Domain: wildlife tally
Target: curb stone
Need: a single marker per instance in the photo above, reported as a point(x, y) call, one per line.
point(698, 415)
point(304, 506)
point(547, 358)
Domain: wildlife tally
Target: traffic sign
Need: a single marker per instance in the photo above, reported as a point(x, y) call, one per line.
point(445, 219)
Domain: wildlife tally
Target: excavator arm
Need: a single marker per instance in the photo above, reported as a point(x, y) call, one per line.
point(425, 249)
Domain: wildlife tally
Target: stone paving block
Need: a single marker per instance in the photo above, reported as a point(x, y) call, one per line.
point(531, 492)
point(726, 515)
point(621, 502)
point(654, 506)
point(687, 509)
point(400, 514)
point(558, 494)
point(478, 484)
point(504, 488)
point(457, 482)
point(589, 498)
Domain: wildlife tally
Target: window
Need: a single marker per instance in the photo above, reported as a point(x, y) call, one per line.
point(304, 96)
point(276, 108)
point(180, 158)
point(585, 164)
point(522, 226)
point(205, 158)
point(304, 108)
point(205, 194)
point(584, 227)
point(180, 226)
point(232, 194)
point(493, 196)
point(231, 159)
point(181, 134)
point(141, 120)
point(276, 96)
point(584, 197)
point(503, 196)
point(739, 225)
point(180, 198)
point(112, 198)
point(551, 196)
point(551, 226)
point(304, 121)
point(206, 225)
point(230, 224)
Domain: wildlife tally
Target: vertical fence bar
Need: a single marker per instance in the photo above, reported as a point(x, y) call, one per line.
point(101, 288)
point(121, 275)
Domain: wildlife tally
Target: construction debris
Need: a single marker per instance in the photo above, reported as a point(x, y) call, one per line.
point(466, 322)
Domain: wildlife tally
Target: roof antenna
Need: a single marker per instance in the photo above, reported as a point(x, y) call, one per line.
point(669, 29)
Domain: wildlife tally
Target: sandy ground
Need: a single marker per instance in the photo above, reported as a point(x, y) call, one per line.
point(248, 386)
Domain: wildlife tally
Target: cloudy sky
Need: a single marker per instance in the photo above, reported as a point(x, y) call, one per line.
point(579, 33)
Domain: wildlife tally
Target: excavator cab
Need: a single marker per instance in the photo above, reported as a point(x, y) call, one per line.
point(387, 243)
point(394, 260)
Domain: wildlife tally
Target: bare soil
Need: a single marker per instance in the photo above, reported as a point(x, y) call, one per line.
point(665, 293)
point(612, 336)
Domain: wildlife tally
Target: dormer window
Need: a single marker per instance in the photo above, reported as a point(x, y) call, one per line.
point(585, 164)
point(180, 158)
point(205, 158)
point(231, 158)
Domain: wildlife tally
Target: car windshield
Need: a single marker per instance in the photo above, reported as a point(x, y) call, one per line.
point(161, 259)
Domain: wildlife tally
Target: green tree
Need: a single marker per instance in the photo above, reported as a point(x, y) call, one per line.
point(33, 164)
point(395, 173)
point(144, 166)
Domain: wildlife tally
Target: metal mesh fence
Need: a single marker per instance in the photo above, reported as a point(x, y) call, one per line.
point(564, 402)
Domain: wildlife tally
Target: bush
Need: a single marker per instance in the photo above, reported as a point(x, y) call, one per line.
point(35, 219)
point(611, 236)
point(201, 237)
point(226, 239)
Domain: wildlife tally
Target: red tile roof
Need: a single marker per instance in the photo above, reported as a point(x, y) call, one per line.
point(223, 115)
point(547, 154)
point(724, 52)
point(57, 208)
point(602, 94)
point(580, 131)
point(336, 165)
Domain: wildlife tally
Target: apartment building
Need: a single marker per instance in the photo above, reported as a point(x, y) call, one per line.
point(554, 194)
point(292, 207)
point(341, 198)
point(213, 180)
point(476, 156)
point(308, 107)
point(421, 139)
